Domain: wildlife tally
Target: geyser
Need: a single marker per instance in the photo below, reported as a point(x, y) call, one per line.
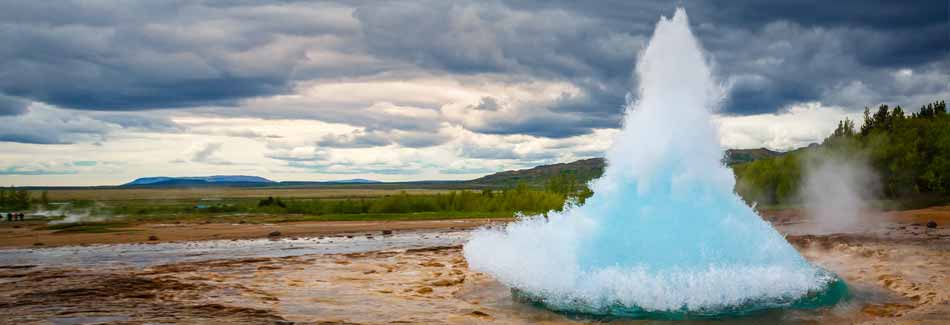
point(664, 235)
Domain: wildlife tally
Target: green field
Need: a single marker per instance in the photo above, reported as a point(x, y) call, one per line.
point(269, 205)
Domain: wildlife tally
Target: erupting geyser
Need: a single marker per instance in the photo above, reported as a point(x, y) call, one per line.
point(664, 234)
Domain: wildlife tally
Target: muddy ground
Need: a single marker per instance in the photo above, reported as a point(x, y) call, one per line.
point(27, 234)
point(898, 271)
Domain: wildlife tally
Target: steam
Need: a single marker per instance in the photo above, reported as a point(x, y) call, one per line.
point(836, 192)
point(68, 216)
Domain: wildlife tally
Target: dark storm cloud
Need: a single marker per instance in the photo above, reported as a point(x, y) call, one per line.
point(912, 26)
point(173, 54)
point(12, 105)
point(154, 54)
point(784, 63)
point(847, 13)
point(781, 53)
point(565, 117)
point(808, 47)
point(549, 126)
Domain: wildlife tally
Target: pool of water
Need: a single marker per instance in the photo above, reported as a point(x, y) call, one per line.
point(141, 255)
point(834, 292)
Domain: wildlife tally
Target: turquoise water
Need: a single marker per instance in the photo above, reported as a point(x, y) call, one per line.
point(835, 292)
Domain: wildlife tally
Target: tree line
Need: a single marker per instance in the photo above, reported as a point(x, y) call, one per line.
point(909, 153)
point(13, 199)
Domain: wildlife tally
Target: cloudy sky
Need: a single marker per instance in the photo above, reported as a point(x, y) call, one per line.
point(101, 92)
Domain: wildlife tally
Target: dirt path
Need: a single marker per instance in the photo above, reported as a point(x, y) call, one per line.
point(25, 236)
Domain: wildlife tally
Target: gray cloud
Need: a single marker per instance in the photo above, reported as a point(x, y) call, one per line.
point(420, 139)
point(828, 14)
point(157, 54)
point(152, 122)
point(355, 140)
point(363, 139)
point(786, 54)
point(478, 170)
point(474, 150)
point(45, 125)
point(785, 63)
point(207, 154)
point(247, 134)
point(42, 124)
point(319, 165)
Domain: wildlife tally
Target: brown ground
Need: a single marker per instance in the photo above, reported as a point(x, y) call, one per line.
point(899, 274)
point(939, 214)
point(24, 235)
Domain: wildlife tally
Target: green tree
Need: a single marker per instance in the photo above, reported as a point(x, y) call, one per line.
point(910, 155)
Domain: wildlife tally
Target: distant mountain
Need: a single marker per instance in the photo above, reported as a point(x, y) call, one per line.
point(235, 181)
point(588, 169)
point(738, 156)
point(353, 181)
point(584, 170)
point(222, 180)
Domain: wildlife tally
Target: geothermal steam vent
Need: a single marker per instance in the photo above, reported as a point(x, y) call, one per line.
point(664, 235)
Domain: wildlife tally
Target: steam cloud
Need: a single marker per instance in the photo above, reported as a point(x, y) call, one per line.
point(836, 192)
point(69, 216)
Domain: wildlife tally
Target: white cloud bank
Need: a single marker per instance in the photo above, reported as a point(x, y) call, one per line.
point(794, 127)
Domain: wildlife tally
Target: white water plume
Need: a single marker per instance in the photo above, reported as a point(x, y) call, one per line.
point(664, 230)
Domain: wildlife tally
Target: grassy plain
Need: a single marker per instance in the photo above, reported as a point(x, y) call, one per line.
point(98, 209)
point(157, 194)
point(113, 215)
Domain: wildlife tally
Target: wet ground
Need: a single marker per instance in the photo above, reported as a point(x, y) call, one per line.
point(899, 272)
point(150, 254)
point(31, 233)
